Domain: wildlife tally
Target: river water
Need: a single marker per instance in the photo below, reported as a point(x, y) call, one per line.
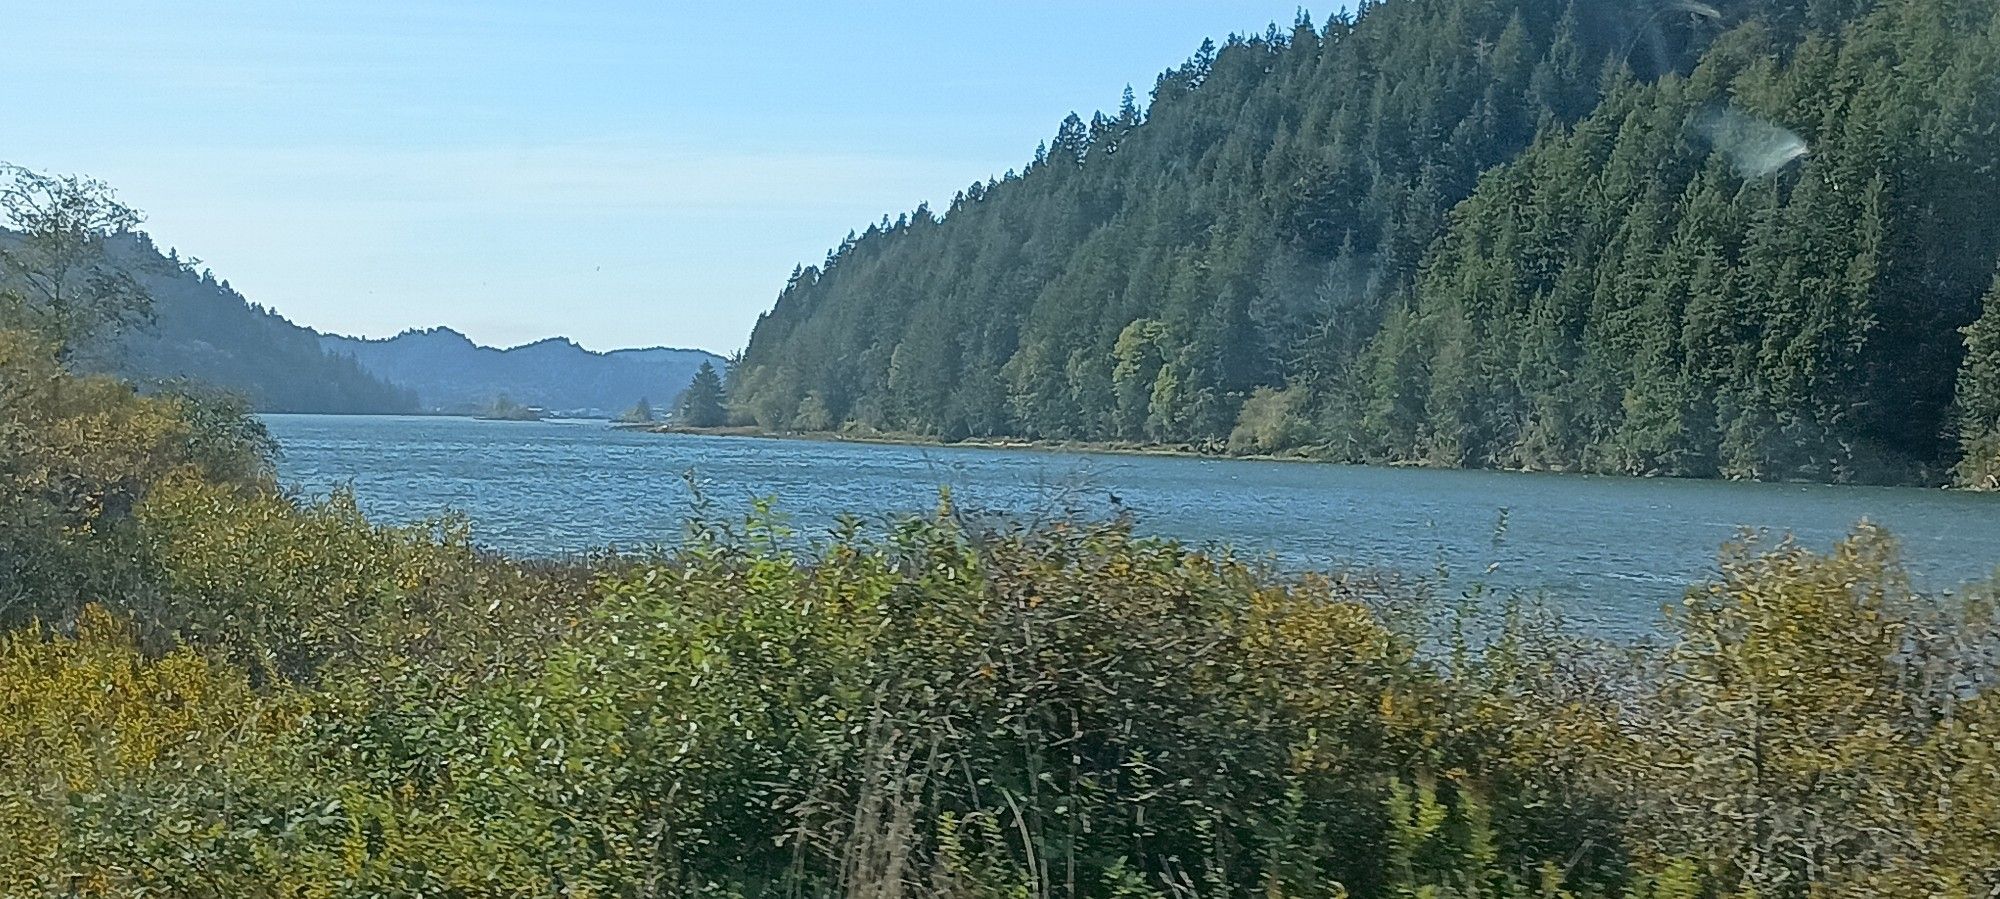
point(1608, 551)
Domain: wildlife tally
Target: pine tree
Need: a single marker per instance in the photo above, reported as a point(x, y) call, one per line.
point(701, 405)
point(1979, 399)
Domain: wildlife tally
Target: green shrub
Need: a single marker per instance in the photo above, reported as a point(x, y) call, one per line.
point(77, 456)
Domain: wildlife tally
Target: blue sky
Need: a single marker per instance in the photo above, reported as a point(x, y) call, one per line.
point(626, 174)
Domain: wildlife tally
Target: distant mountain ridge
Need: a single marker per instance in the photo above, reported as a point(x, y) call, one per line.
point(202, 330)
point(452, 374)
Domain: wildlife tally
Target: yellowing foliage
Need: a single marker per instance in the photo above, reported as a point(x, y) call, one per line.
point(77, 455)
point(90, 719)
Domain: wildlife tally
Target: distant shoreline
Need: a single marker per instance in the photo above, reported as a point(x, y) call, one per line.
point(880, 438)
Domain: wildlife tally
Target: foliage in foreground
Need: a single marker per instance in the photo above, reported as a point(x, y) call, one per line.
point(283, 699)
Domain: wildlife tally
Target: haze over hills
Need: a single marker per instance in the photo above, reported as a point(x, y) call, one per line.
point(451, 374)
point(201, 330)
point(1731, 239)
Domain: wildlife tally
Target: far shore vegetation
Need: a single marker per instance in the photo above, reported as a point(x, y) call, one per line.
point(1748, 240)
point(641, 413)
point(504, 408)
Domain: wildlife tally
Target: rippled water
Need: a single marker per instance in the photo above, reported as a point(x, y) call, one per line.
point(1612, 550)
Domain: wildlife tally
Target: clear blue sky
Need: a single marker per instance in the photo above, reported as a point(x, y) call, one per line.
point(626, 174)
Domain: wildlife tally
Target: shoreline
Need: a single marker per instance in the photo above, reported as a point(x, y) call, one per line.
point(1015, 443)
point(1190, 452)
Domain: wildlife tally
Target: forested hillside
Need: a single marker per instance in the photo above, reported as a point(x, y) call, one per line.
point(195, 328)
point(202, 330)
point(1630, 299)
point(1657, 238)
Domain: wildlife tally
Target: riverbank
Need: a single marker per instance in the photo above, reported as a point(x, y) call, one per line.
point(1218, 451)
point(897, 438)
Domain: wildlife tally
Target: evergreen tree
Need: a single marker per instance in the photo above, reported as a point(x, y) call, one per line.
point(1979, 399)
point(701, 405)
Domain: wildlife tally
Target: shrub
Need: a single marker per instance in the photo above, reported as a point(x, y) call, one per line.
point(77, 456)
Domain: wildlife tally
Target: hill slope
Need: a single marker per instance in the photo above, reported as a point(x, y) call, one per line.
point(203, 330)
point(1275, 256)
point(452, 374)
point(1639, 296)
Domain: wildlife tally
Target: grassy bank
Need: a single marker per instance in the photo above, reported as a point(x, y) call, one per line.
point(210, 688)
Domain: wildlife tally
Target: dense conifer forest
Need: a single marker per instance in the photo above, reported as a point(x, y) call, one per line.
point(1666, 238)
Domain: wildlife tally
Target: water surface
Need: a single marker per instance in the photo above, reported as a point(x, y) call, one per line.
point(1611, 550)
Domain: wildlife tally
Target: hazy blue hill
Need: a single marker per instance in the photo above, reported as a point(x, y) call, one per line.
point(450, 373)
point(666, 354)
point(203, 330)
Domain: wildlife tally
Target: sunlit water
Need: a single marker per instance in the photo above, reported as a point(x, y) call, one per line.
point(1610, 551)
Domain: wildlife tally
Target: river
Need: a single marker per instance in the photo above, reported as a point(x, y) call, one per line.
point(1608, 551)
